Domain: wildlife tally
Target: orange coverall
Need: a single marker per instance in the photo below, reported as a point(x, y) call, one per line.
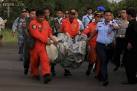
point(70, 28)
point(92, 45)
point(40, 32)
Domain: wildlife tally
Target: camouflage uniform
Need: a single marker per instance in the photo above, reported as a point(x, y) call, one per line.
point(57, 24)
point(19, 25)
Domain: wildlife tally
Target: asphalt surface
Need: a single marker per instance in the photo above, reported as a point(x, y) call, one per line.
point(13, 79)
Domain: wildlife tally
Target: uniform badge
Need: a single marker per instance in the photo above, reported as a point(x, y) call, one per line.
point(40, 28)
point(34, 27)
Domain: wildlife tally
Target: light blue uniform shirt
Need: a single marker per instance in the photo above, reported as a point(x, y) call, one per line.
point(106, 34)
point(86, 19)
point(81, 26)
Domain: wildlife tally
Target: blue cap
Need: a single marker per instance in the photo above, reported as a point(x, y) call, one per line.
point(101, 8)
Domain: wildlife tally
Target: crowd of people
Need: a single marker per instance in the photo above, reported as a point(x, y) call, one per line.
point(109, 38)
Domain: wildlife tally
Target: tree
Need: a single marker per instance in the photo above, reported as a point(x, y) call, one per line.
point(131, 3)
point(80, 5)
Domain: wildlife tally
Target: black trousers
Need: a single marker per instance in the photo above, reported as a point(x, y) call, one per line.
point(130, 64)
point(119, 49)
point(26, 57)
point(105, 54)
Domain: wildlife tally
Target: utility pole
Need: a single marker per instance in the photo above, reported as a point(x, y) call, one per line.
point(8, 11)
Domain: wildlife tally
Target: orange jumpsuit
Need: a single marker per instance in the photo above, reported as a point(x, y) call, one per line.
point(70, 28)
point(92, 45)
point(40, 32)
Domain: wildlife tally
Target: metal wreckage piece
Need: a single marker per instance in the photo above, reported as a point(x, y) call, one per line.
point(71, 52)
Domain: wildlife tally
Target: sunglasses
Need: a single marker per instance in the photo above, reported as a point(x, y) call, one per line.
point(98, 16)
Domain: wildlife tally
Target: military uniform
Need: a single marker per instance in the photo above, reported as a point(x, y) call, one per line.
point(86, 19)
point(104, 46)
point(57, 24)
point(19, 25)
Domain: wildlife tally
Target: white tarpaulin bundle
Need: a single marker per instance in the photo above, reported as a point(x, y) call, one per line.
point(52, 52)
point(71, 51)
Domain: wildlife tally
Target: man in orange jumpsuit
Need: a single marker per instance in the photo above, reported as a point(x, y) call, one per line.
point(40, 30)
point(92, 57)
point(70, 26)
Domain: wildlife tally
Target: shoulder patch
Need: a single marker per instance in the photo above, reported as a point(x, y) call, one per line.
point(34, 27)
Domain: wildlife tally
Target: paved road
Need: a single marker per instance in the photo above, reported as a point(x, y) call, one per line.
point(12, 78)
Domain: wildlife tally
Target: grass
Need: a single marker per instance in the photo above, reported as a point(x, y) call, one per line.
point(8, 37)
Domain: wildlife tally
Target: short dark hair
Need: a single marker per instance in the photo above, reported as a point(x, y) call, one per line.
point(24, 10)
point(131, 11)
point(32, 10)
point(39, 12)
point(123, 9)
point(58, 9)
point(88, 8)
point(47, 8)
point(108, 11)
point(97, 13)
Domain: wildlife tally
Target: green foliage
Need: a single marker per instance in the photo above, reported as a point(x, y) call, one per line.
point(80, 5)
point(131, 3)
point(66, 4)
point(8, 37)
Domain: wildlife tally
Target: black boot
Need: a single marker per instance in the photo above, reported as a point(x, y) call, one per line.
point(46, 78)
point(116, 68)
point(36, 77)
point(105, 83)
point(25, 71)
point(53, 70)
point(89, 69)
point(67, 72)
